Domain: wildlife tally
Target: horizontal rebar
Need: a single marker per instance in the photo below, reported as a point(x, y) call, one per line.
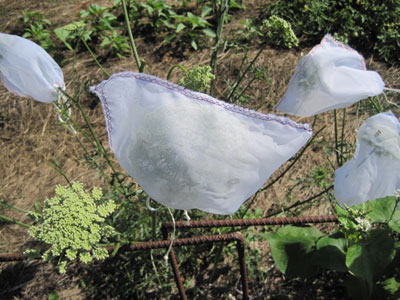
point(151, 245)
point(236, 236)
point(251, 222)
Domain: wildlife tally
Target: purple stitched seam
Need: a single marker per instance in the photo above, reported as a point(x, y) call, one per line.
point(107, 113)
point(327, 37)
point(202, 97)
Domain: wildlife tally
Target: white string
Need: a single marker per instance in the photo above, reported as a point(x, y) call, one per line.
point(186, 214)
point(60, 102)
point(390, 102)
point(172, 239)
point(392, 90)
point(149, 207)
point(357, 118)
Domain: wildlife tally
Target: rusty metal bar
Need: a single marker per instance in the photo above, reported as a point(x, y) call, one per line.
point(249, 222)
point(178, 242)
point(12, 257)
point(207, 239)
point(177, 274)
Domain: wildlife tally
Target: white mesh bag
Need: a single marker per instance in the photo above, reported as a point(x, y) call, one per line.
point(188, 150)
point(374, 171)
point(331, 76)
point(28, 70)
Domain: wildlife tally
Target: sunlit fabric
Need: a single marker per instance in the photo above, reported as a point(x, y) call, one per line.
point(331, 76)
point(374, 171)
point(28, 70)
point(188, 150)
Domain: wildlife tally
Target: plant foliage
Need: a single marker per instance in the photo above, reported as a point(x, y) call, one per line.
point(370, 25)
point(73, 223)
point(364, 247)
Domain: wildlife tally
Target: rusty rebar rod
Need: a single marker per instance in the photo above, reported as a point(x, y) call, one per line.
point(249, 222)
point(207, 239)
point(12, 257)
point(237, 236)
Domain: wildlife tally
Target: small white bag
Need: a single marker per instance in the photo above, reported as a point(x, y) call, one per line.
point(331, 76)
point(374, 171)
point(188, 150)
point(28, 70)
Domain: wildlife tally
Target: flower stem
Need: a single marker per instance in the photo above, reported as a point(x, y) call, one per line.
point(174, 67)
point(13, 221)
point(94, 57)
point(224, 4)
point(139, 63)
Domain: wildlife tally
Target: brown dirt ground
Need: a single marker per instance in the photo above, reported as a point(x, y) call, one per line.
point(31, 137)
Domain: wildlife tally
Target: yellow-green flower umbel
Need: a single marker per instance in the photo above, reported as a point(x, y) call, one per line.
point(73, 223)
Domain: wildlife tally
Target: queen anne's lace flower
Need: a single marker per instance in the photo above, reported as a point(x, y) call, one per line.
point(73, 223)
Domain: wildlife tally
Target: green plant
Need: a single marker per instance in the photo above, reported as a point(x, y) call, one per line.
point(190, 28)
point(70, 34)
point(364, 247)
point(280, 33)
point(159, 14)
point(370, 25)
point(72, 224)
point(197, 79)
point(117, 43)
point(35, 28)
point(99, 18)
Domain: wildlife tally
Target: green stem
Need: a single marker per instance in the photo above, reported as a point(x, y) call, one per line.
point(5, 204)
point(336, 138)
point(174, 67)
point(96, 144)
point(153, 224)
point(298, 203)
point(377, 104)
point(94, 57)
point(342, 137)
point(237, 83)
point(139, 63)
point(246, 88)
point(213, 64)
point(13, 221)
point(58, 169)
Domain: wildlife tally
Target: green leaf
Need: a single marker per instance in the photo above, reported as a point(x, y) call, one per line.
point(106, 41)
point(391, 285)
point(209, 32)
point(357, 288)
point(341, 212)
point(194, 44)
point(331, 252)
point(169, 38)
point(63, 35)
point(206, 10)
point(180, 27)
point(292, 249)
point(368, 259)
point(394, 223)
point(380, 210)
point(54, 296)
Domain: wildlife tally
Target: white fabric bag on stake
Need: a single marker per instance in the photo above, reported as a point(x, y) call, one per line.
point(331, 76)
point(27, 70)
point(188, 150)
point(374, 171)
